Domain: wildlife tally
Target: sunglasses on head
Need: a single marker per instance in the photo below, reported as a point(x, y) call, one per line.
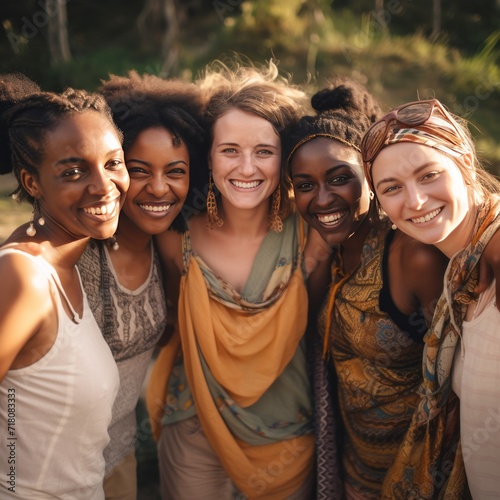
point(411, 114)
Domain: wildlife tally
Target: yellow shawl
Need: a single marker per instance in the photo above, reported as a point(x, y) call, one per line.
point(246, 352)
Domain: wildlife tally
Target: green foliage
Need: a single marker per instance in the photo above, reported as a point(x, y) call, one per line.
point(388, 50)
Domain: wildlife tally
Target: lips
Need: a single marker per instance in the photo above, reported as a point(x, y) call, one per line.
point(246, 185)
point(331, 219)
point(158, 208)
point(104, 209)
point(427, 217)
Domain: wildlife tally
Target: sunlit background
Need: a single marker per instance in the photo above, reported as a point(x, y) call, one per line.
point(401, 49)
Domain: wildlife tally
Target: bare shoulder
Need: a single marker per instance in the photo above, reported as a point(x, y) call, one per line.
point(24, 305)
point(421, 263)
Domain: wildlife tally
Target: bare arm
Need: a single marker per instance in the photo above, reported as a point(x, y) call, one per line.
point(169, 245)
point(317, 261)
point(24, 305)
point(423, 267)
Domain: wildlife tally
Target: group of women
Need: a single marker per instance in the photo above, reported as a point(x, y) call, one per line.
point(237, 201)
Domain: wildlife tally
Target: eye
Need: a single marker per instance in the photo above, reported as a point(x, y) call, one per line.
point(390, 189)
point(115, 164)
point(72, 174)
point(265, 152)
point(339, 179)
point(229, 150)
point(136, 171)
point(430, 175)
point(304, 186)
point(177, 172)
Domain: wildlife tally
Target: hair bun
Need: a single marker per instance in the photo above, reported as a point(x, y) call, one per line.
point(332, 98)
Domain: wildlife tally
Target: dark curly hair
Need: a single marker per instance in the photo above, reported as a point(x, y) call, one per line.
point(139, 102)
point(27, 114)
point(345, 110)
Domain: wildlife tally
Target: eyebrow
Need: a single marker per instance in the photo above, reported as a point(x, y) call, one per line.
point(256, 146)
point(328, 172)
point(65, 161)
point(416, 171)
point(76, 159)
point(148, 164)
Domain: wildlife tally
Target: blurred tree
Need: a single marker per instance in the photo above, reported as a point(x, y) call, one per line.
point(57, 31)
point(159, 24)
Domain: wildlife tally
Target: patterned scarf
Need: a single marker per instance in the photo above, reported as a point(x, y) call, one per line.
point(430, 463)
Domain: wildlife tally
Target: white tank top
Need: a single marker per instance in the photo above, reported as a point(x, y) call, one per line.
point(476, 381)
point(55, 413)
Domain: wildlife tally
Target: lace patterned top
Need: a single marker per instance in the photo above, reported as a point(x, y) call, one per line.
point(132, 322)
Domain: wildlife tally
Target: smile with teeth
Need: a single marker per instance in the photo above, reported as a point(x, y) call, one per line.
point(156, 208)
point(246, 185)
point(426, 218)
point(330, 219)
point(102, 210)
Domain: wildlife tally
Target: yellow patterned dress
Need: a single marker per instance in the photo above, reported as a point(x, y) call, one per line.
point(378, 368)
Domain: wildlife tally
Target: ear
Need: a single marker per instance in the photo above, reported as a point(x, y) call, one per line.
point(30, 184)
point(467, 158)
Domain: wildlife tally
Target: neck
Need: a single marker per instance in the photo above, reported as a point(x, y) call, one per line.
point(353, 246)
point(461, 236)
point(130, 237)
point(245, 222)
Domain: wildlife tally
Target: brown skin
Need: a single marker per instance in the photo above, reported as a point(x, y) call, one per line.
point(332, 196)
point(82, 169)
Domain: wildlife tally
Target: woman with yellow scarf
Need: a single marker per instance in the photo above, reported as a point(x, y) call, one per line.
point(230, 398)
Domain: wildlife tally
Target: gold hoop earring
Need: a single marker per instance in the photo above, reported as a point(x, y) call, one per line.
point(212, 212)
point(275, 222)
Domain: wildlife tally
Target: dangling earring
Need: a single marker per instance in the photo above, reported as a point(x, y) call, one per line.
point(113, 243)
point(275, 222)
point(372, 195)
point(212, 212)
point(31, 231)
point(394, 227)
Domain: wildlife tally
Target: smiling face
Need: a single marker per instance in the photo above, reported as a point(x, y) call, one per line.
point(159, 180)
point(423, 192)
point(330, 189)
point(245, 159)
point(82, 179)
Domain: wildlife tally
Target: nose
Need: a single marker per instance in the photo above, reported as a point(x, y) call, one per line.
point(415, 197)
point(100, 182)
point(324, 196)
point(247, 165)
point(157, 186)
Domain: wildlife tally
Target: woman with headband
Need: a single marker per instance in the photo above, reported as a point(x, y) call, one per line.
point(384, 287)
point(422, 164)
